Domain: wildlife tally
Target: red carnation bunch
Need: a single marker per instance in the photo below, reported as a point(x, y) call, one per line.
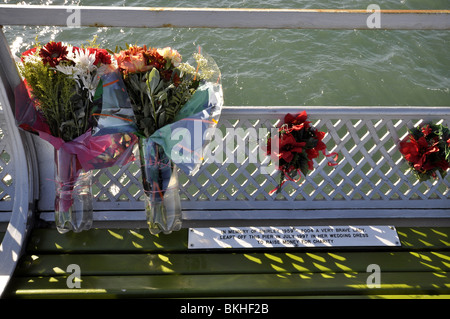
point(427, 150)
point(297, 144)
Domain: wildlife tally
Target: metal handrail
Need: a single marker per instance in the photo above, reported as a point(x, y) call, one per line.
point(157, 17)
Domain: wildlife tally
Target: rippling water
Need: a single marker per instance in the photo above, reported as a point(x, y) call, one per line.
point(292, 67)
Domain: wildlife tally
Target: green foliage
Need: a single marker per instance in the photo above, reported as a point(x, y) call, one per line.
point(157, 101)
point(57, 99)
point(92, 43)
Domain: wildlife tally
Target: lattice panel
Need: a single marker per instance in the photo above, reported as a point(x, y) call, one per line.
point(371, 171)
point(118, 184)
point(6, 167)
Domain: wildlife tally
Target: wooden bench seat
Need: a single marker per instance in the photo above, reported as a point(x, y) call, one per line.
point(122, 263)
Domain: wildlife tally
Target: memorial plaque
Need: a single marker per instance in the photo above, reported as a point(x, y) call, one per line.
point(292, 236)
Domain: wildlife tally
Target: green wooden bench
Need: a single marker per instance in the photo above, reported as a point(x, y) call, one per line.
point(122, 263)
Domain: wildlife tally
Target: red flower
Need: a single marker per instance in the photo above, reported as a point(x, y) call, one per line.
point(268, 147)
point(312, 153)
point(166, 75)
point(132, 60)
point(297, 122)
point(289, 146)
point(101, 56)
point(28, 52)
point(417, 151)
point(53, 53)
point(426, 130)
point(320, 145)
point(410, 149)
point(155, 59)
point(443, 164)
point(320, 135)
point(176, 79)
point(139, 59)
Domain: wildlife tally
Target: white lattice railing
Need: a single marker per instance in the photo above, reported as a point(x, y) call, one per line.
point(371, 181)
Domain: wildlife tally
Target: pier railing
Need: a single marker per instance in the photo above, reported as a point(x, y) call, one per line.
point(158, 17)
point(371, 183)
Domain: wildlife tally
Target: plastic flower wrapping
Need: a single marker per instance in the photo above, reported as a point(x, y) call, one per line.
point(61, 91)
point(170, 106)
point(427, 150)
point(164, 101)
point(296, 145)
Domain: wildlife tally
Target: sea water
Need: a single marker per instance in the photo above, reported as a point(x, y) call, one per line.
point(263, 67)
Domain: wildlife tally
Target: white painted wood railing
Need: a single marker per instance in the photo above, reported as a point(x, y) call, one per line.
point(16, 184)
point(157, 17)
point(371, 182)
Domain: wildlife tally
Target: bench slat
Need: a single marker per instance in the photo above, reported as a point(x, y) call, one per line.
point(235, 263)
point(140, 240)
point(105, 240)
point(282, 284)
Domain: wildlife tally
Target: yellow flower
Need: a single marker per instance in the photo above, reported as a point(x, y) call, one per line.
point(171, 54)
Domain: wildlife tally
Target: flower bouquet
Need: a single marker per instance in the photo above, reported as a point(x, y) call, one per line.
point(56, 100)
point(427, 150)
point(172, 103)
point(296, 145)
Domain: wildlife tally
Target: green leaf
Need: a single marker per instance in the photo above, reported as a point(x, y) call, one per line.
point(311, 142)
point(153, 80)
point(416, 133)
point(161, 96)
point(99, 90)
point(134, 82)
point(69, 123)
point(302, 162)
point(162, 119)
